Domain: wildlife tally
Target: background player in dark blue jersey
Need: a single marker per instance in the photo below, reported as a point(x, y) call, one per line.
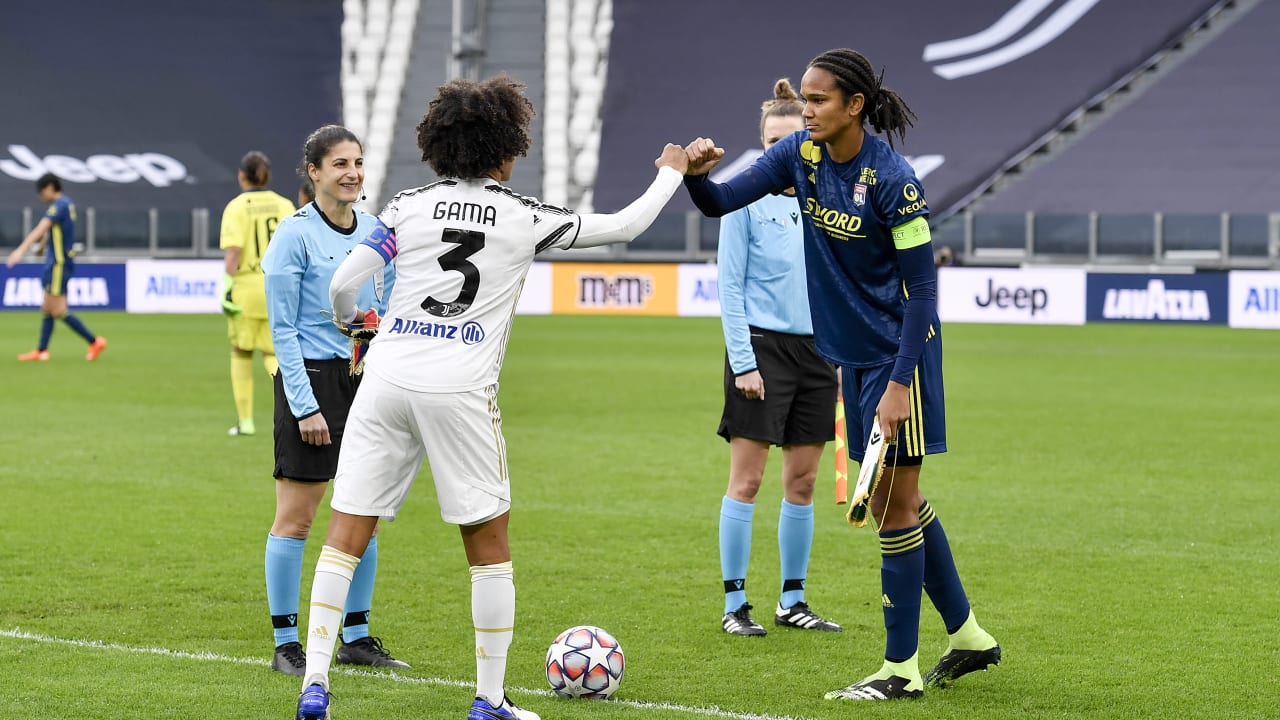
point(314, 389)
point(768, 335)
point(59, 225)
point(872, 294)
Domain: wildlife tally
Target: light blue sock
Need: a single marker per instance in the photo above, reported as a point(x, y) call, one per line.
point(795, 538)
point(355, 622)
point(284, 578)
point(735, 550)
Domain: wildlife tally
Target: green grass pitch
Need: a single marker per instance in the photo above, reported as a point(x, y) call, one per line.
point(1109, 495)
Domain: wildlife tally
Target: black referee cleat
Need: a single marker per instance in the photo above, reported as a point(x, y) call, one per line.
point(368, 651)
point(800, 616)
point(290, 659)
point(958, 663)
point(739, 622)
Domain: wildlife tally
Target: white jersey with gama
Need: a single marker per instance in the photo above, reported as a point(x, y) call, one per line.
point(461, 250)
point(464, 249)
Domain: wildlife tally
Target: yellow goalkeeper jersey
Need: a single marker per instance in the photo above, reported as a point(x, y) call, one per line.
point(248, 222)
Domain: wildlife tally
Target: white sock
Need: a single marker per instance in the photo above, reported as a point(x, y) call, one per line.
point(493, 612)
point(324, 623)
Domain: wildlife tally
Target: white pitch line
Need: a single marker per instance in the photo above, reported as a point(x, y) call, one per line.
point(19, 634)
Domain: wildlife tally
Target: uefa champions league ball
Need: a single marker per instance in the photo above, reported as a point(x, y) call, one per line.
point(585, 662)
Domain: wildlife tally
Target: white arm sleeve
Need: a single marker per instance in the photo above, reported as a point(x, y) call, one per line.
point(626, 224)
point(359, 266)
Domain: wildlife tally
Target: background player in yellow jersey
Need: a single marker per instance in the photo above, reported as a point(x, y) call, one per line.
point(247, 225)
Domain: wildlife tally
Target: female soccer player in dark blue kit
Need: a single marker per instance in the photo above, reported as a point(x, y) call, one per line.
point(873, 298)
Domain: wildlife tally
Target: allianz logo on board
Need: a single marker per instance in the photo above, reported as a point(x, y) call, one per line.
point(1155, 302)
point(1263, 300)
point(178, 286)
point(81, 292)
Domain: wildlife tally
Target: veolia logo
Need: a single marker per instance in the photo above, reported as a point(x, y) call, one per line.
point(985, 47)
point(158, 169)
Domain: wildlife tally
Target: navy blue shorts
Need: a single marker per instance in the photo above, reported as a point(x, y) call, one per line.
point(925, 433)
point(55, 277)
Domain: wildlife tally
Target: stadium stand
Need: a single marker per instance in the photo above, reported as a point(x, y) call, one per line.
point(137, 115)
point(994, 82)
point(712, 83)
point(471, 39)
point(1160, 173)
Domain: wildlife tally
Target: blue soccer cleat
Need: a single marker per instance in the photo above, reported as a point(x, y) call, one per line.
point(313, 703)
point(482, 710)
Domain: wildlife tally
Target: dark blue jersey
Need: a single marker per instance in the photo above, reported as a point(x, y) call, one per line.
point(859, 275)
point(62, 213)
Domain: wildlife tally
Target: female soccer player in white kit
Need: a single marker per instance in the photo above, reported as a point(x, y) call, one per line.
point(462, 247)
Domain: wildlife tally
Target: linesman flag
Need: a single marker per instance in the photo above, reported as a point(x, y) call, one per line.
point(842, 455)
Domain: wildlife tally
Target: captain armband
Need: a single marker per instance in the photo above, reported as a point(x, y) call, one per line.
point(911, 234)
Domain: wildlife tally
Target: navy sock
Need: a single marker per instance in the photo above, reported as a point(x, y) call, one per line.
point(74, 323)
point(941, 580)
point(902, 558)
point(46, 330)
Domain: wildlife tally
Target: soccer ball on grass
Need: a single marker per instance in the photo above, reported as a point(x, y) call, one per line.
point(585, 662)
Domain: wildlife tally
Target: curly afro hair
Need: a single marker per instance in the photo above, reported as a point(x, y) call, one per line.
point(471, 128)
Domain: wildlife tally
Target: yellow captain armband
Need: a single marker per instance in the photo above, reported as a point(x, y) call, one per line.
point(911, 234)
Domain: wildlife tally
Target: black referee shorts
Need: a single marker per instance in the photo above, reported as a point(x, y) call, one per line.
point(334, 388)
point(799, 403)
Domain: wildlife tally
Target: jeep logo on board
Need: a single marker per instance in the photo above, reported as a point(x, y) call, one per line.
point(156, 168)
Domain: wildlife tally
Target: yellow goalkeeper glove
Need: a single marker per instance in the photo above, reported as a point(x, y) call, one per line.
point(229, 308)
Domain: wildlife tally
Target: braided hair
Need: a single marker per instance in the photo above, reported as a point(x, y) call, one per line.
point(472, 128)
point(882, 107)
point(784, 103)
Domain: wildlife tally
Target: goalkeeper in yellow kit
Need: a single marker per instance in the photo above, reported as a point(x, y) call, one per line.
point(247, 225)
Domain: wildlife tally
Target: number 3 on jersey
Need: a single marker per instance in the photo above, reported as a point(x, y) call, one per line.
point(469, 243)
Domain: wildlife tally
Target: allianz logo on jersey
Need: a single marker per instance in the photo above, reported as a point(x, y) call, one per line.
point(618, 290)
point(81, 292)
point(156, 168)
point(1155, 302)
point(470, 333)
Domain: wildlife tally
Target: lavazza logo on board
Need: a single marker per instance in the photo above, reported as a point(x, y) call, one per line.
point(156, 168)
point(93, 285)
point(1192, 298)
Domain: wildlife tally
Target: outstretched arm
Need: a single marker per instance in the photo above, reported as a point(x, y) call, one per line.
point(719, 199)
point(627, 224)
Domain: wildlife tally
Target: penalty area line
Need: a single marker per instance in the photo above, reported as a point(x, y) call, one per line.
point(19, 634)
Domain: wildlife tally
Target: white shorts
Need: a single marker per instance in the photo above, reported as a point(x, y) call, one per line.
point(389, 432)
